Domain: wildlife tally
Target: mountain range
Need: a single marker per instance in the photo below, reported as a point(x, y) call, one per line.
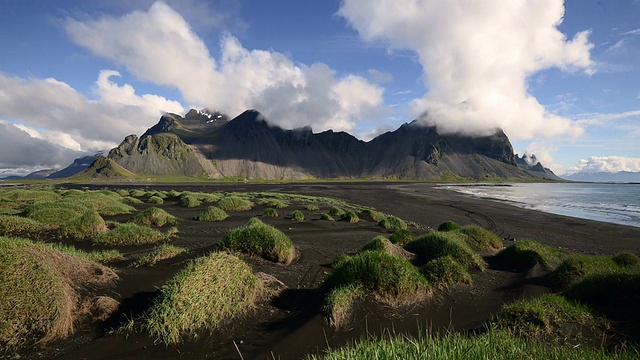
point(210, 144)
point(604, 176)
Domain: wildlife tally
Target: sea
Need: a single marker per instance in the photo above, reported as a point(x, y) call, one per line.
point(613, 203)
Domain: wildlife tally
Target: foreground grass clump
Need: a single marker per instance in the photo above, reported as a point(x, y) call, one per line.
point(481, 239)
point(493, 344)
point(213, 213)
point(101, 256)
point(626, 259)
point(336, 211)
point(260, 239)
point(393, 223)
point(339, 303)
point(88, 225)
point(525, 254)
point(577, 267)
point(438, 244)
point(12, 225)
point(234, 203)
point(162, 252)
point(207, 292)
point(392, 280)
point(40, 291)
point(297, 215)
point(155, 217)
point(350, 217)
point(446, 271)
point(54, 213)
point(402, 237)
point(132, 234)
point(549, 317)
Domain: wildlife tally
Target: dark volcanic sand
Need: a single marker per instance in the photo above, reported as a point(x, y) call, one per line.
point(292, 325)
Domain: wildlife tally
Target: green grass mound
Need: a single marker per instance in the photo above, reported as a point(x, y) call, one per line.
point(350, 217)
point(213, 213)
point(379, 243)
point(336, 211)
point(13, 225)
point(392, 280)
point(481, 239)
point(155, 217)
point(234, 203)
point(339, 303)
point(137, 193)
point(131, 200)
point(99, 256)
point(43, 293)
point(449, 226)
point(626, 259)
point(54, 213)
point(274, 203)
point(162, 252)
point(446, 271)
point(159, 194)
point(375, 216)
point(576, 267)
point(209, 291)
point(88, 225)
point(393, 223)
point(259, 239)
point(270, 212)
point(102, 203)
point(438, 244)
point(494, 344)
point(311, 207)
point(613, 293)
point(402, 237)
point(548, 318)
point(297, 215)
point(190, 201)
point(525, 254)
point(132, 234)
point(155, 200)
point(326, 217)
point(29, 195)
point(205, 197)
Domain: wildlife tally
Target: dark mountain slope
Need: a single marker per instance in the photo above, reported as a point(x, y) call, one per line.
point(249, 147)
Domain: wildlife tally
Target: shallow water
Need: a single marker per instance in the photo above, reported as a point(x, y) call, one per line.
point(613, 203)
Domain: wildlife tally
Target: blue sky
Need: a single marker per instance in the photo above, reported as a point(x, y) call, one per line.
point(561, 78)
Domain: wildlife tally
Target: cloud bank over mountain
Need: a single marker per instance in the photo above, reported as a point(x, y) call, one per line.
point(476, 57)
point(610, 164)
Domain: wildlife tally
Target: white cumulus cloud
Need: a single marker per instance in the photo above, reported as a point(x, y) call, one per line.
point(611, 164)
point(159, 46)
point(476, 58)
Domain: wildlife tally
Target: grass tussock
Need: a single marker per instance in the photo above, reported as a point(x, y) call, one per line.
point(260, 239)
point(162, 252)
point(18, 226)
point(626, 259)
point(449, 226)
point(274, 203)
point(381, 243)
point(88, 225)
point(446, 271)
point(438, 244)
point(209, 291)
point(100, 256)
point(213, 213)
point(525, 254)
point(43, 292)
point(339, 303)
point(234, 203)
point(270, 212)
point(132, 234)
point(326, 217)
point(493, 344)
point(549, 318)
point(402, 237)
point(375, 216)
point(155, 200)
point(336, 211)
point(54, 213)
point(392, 280)
point(311, 207)
point(297, 215)
point(576, 267)
point(481, 239)
point(155, 217)
point(393, 223)
point(190, 201)
point(350, 217)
